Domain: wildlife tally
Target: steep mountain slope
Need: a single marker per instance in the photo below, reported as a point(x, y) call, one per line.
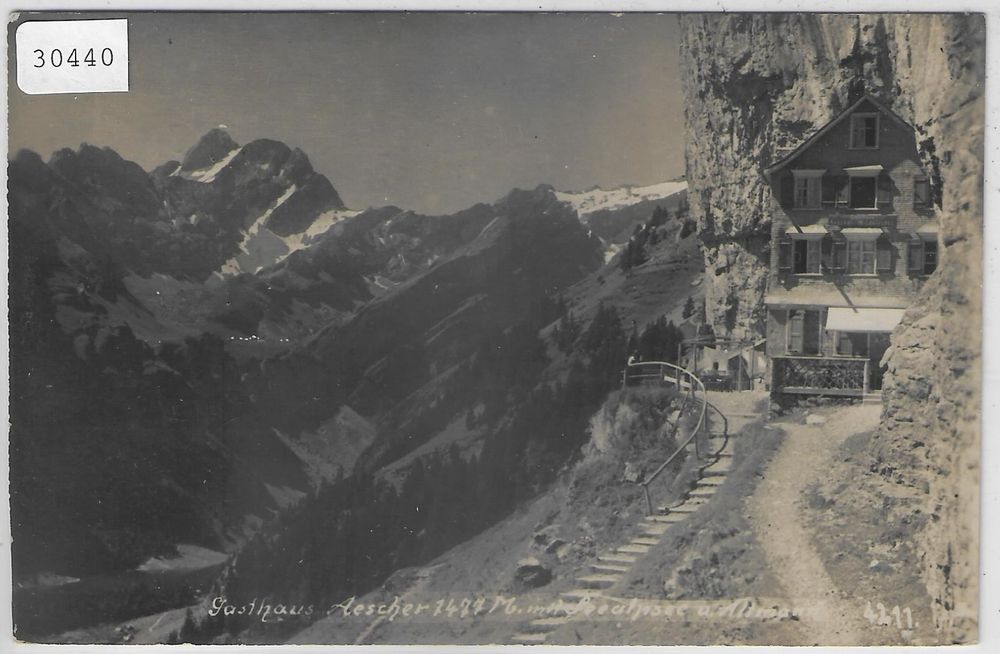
point(177, 221)
point(264, 194)
point(119, 449)
point(755, 83)
point(481, 375)
point(136, 393)
point(528, 248)
point(225, 345)
point(357, 260)
point(210, 439)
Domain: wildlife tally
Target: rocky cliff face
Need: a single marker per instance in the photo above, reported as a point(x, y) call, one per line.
point(758, 83)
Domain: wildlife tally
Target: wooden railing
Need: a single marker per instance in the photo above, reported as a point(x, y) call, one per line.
point(664, 373)
point(821, 375)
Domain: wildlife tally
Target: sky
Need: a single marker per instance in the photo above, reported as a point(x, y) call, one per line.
point(430, 112)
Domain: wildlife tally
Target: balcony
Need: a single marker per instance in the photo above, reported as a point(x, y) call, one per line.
point(803, 375)
point(836, 217)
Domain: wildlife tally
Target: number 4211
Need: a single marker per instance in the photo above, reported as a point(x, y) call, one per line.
point(882, 617)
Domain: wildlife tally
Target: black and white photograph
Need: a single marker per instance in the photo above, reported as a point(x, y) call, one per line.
point(478, 328)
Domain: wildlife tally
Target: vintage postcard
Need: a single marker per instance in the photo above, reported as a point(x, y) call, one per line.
point(495, 329)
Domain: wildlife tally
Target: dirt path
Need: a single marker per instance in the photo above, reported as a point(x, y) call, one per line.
point(775, 512)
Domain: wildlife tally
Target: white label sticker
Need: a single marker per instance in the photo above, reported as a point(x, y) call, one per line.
point(72, 56)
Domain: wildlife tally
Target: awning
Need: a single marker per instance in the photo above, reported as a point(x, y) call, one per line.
point(806, 231)
point(862, 232)
point(928, 230)
point(846, 319)
point(864, 171)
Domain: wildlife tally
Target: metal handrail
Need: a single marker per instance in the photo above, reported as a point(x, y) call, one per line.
point(828, 357)
point(680, 377)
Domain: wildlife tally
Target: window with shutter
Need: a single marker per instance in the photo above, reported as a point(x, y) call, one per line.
point(808, 189)
point(884, 258)
point(826, 254)
point(930, 257)
point(864, 131)
point(915, 258)
point(861, 257)
point(796, 325)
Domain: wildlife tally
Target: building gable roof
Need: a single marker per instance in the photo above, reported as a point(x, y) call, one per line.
point(808, 143)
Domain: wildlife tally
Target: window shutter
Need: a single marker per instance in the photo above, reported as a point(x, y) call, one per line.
point(826, 254)
point(813, 256)
point(839, 250)
point(829, 189)
point(915, 257)
point(884, 189)
point(788, 190)
point(857, 131)
point(796, 326)
point(815, 185)
point(841, 184)
point(883, 255)
point(921, 192)
point(784, 253)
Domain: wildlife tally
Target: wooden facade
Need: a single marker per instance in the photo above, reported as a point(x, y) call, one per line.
point(854, 230)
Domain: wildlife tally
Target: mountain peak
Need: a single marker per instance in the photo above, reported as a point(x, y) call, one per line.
point(209, 150)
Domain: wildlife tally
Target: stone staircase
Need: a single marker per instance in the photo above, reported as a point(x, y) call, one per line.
point(612, 566)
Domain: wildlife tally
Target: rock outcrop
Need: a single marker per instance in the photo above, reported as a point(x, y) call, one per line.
point(756, 84)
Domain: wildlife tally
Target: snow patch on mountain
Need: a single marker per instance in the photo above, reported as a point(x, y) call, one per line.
point(259, 244)
point(320, 226)
point(258, 224)
point(261, 247)
point(598, 199)
point(207, 175)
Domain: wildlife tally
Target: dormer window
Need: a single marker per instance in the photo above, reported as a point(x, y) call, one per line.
point(864, 131)
point(808, 188)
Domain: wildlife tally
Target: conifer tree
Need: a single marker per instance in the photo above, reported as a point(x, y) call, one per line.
point(689, 308)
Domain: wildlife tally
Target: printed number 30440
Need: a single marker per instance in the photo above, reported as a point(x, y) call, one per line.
point(72, 56)
point(55, 58)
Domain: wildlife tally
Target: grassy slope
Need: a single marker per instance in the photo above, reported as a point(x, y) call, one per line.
point(586, 512)
point(589, 511)
point(659, 286)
